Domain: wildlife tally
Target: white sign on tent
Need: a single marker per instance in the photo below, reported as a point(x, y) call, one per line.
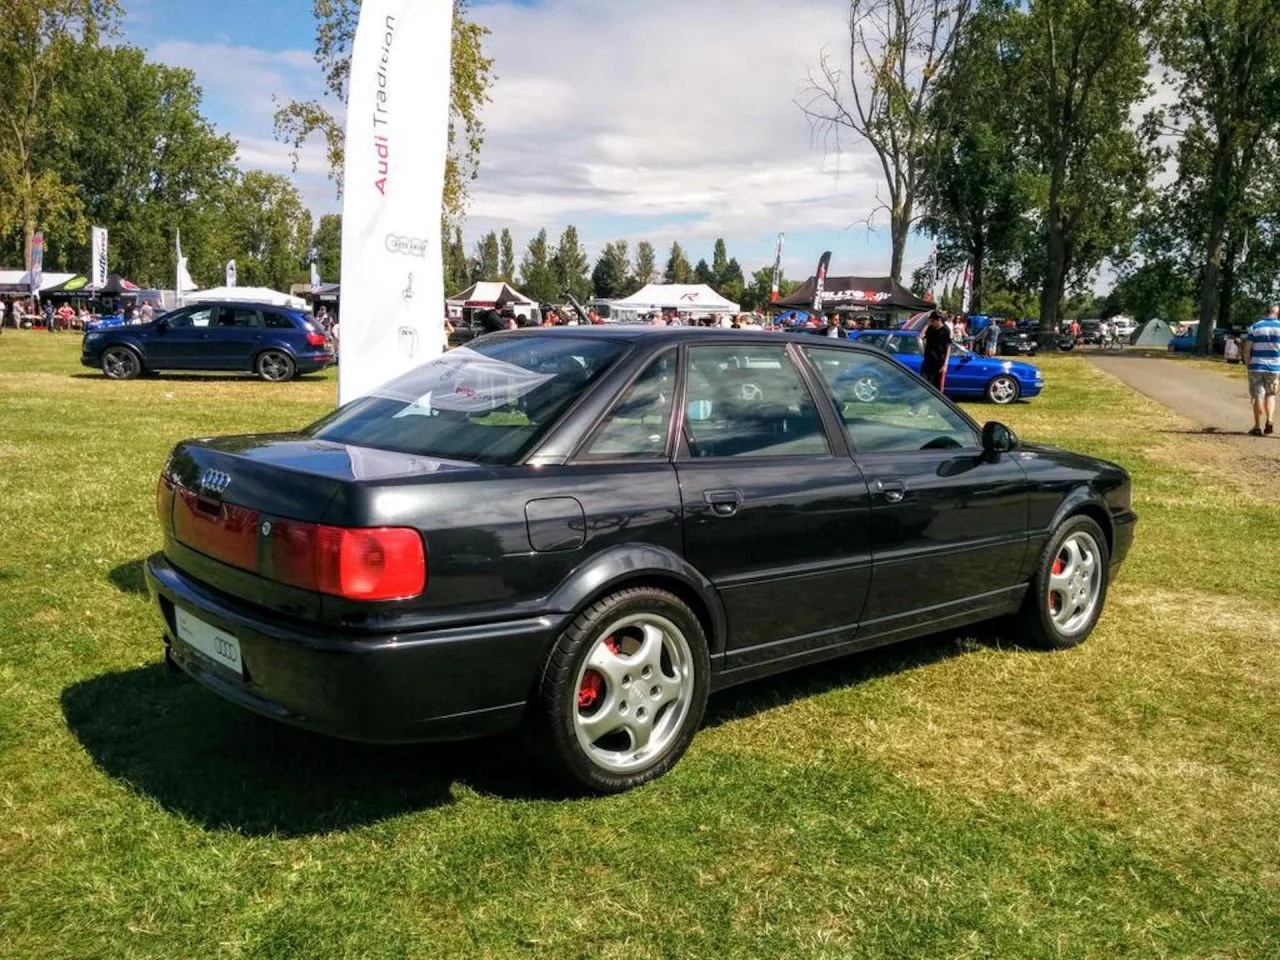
point(393, 182)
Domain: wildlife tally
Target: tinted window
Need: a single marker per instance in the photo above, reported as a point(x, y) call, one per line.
point(277, 321)
point(199, 317)
point(749, 401)
point(237, 317)
point(487, 403)
point(907, 344)
point(637, 427)
point(886, 409)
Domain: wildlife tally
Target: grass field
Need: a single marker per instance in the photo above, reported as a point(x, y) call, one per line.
point(955, 797)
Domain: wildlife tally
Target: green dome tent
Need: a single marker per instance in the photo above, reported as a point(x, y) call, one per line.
point(1154, 334)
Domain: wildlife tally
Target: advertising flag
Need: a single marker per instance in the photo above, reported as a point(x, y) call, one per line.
point(315, 277)
point(777, 269)
point(966, 296)
point(182, 281)
point(37, 262)
point(824, 263)
point(98, 269)
point(231, 273)
point(393, 182)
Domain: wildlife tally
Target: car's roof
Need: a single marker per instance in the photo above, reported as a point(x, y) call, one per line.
point(651, 334)
point(260, 304)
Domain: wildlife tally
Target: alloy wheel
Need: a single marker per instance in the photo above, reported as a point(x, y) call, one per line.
point(1003, 390)
point(1075, 583)
point(120, 363)
point(275, 366)
point(634, 691)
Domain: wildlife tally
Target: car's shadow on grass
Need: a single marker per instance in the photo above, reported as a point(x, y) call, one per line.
point(225, 768)
point(200, 378)
point(129, 578)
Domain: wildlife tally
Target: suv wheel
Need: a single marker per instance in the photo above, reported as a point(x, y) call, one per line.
point(623, 691)
point(1070, 587)
point(274, 365)
point(121, 363)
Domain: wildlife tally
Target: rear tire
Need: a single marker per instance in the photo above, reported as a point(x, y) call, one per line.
point(121, 363)
point(275, 366)
point(1069, 589)
point(623, 691)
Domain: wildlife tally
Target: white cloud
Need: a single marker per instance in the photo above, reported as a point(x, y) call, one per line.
point(664, 108)
point(242, 78)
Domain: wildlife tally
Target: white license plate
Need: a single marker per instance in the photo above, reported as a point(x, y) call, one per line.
point(218, 645)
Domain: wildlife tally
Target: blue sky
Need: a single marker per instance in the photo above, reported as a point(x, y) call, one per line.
point(637, 119)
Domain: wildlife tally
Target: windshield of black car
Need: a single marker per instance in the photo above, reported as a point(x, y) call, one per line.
point(487, 403)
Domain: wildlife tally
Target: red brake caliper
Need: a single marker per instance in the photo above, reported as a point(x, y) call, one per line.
point(592, 682)
point(1054, 600)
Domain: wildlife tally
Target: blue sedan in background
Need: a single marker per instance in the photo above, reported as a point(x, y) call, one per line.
point(969, 376)
point(274, 342)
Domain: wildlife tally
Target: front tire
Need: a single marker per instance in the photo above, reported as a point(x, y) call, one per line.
point(121, 363)
point(275, 366)
point(623, 691)
point(1069, 590)
point(1003, 390)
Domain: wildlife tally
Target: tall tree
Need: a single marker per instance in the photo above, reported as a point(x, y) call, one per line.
point(457, 266)
point(327, 241)
point(472, 75)
point(646, 268)
point(731, 284)
point(36, 37)
point(702, 273)
point(611, 276)
point(267, 230)
point(678, 268)
point(973, 180)
point(507, 265)
point(899, 50)
point(570, 266)
point(487, 262)
point(1224, 56)
point(168, 173)
point(720, 262)
point(1078, 68)
point(537, 278)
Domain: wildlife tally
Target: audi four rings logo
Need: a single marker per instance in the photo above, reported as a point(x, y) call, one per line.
point(409, 246)
point(214, 481)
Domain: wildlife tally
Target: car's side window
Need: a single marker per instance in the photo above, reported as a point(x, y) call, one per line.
point(237, 317)
point(884, 408)
point(189, 318)
point(638, 425)
point(907, 344)
point(276, 321)
point(749, 400)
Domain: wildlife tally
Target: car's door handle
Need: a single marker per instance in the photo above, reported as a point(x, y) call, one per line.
point(204, 336)
point(724, 503)
point(892, 490)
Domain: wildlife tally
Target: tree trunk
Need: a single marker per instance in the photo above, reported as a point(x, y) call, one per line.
point(1209, 282)
point(1055, 279)
point(979, 255)
point(899, 227)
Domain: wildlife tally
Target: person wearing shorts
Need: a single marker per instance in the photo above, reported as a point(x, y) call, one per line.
point(1262, 355)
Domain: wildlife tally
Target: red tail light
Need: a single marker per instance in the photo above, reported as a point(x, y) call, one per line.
point(383, 563)
point(316, 340)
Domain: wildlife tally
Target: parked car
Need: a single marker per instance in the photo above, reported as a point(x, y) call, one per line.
point(276, 343)
point(969, 376)
point(586, 531)
point(1185, 342)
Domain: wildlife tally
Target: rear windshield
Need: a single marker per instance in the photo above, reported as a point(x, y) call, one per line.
point(486, 403)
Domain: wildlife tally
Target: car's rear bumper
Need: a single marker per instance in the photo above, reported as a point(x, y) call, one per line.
point(447, 684)
point(1122, 530)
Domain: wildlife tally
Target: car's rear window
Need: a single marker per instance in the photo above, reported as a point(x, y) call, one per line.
point(487, 403)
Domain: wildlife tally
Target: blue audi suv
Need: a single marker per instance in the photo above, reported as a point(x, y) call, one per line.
point(276, 343)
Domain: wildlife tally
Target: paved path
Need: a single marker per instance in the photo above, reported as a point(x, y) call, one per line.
point(1217, 401)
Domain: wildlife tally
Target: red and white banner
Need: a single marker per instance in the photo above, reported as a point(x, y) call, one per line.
point(393, 181)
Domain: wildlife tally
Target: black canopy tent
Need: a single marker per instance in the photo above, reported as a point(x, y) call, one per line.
point(854, 295)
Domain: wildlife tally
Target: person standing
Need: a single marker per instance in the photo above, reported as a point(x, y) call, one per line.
point(937, 351)
point(49, 322)
point(1262, 355)
point(991, 339)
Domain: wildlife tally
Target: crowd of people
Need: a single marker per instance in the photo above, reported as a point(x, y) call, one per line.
point(27, 312)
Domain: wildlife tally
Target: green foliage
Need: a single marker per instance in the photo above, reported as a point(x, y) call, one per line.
point(487, 264)
point(457, 267)
point(646, 267)
point(570, 266)
point(471, 75)
point(327, 241)
point(678, 268)
point(265, 226)
point(37, 39)
point(507, 258)
point(537, 277)
point(702, 273)
point(756, 294)
point(611, 277)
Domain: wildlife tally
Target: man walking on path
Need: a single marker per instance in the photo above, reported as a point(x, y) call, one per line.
point(1262, 354)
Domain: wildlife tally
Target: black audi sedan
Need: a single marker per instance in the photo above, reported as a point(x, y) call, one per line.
point(586, 531)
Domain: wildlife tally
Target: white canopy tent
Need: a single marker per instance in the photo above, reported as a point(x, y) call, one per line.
point(681, 297)
point(491, 293)
point(247, 295)
point(18, 282)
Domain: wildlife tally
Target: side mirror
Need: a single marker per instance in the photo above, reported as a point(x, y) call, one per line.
point(998, 439)
point(162, 325)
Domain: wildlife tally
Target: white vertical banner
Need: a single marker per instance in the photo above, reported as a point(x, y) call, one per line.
point(231, 273)
point(393, 184)
point(98, 269)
